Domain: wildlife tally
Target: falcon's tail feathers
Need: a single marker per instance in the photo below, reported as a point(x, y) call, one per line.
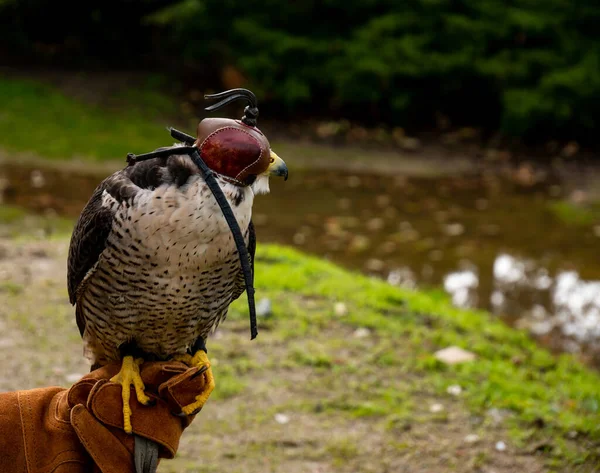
point(145, 455)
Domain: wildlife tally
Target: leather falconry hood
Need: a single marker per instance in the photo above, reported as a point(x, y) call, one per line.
point(235, 149)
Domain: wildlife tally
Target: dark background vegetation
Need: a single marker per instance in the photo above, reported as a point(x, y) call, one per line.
point(528, 69)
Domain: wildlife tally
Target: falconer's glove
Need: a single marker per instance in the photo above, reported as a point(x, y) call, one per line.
point(55, 430)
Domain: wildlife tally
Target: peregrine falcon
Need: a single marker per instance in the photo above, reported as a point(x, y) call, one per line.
point(153, 265)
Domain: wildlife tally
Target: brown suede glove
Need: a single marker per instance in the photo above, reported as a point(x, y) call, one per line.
point(54, 430)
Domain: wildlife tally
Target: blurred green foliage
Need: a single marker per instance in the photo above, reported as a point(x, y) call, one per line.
point(44, 121)
point(527, 67)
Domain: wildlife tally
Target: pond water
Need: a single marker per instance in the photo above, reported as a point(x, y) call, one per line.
point(491, 240)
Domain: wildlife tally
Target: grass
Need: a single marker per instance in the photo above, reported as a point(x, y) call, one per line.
point(511, 372)
point(15, 222)
point(40, 119)
point(314, 366)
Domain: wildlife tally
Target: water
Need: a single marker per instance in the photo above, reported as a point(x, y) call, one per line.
point(489, 239)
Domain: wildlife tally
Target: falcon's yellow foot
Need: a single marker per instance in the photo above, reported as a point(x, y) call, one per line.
point(200, 359)
point(184, 358)
point(128, 376)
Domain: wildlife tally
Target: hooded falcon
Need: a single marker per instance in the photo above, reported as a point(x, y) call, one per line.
point(153, 265)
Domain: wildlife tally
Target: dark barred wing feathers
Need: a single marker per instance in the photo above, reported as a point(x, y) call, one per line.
point(91, 232)
point(87, 243)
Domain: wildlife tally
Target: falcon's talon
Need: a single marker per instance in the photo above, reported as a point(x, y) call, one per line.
point(200, 359)
point(204, 369)
point(151, 403)
point(128, 376)
point(183, 414)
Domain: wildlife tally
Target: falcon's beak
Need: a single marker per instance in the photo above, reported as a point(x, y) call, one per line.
point(277, 167)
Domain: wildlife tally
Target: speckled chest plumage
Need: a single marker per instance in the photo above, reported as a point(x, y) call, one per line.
point(167, 274)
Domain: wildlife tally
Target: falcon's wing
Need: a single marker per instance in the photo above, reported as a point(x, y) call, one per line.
point(88, 239)
point(240, 283)
point(95, 222)
point(87, 243)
